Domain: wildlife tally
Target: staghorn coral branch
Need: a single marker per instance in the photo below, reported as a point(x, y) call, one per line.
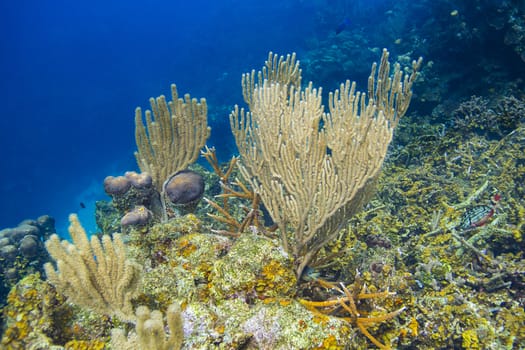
point(211, 157)
point(348, 303)
point(229, 192)
point(94, 274)
point(227, 218)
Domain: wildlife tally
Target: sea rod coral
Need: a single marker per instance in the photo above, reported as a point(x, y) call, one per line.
point(95, 274)
point(170, 139)
point(314, 169)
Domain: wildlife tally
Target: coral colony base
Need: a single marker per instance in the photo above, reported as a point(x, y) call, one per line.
point(305, 241)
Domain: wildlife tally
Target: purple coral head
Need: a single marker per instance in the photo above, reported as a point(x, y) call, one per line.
point(116, 185)
point(30, 246)
point(142, 180)
point(9, 252)
point(22, 230)
point(139, 216)
point(185, 187)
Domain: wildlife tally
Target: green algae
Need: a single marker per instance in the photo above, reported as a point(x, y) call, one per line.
point(255, 267)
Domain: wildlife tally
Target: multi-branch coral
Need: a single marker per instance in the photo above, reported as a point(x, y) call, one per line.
point(345, 306)
point(233, 190)
point(95, 273)
point(172, 135)
point(313, 170)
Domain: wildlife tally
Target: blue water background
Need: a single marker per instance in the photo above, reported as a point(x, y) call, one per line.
point(73, 73)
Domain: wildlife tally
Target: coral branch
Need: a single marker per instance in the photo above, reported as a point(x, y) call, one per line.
point(172, 137)
point(149, 331)
point(94, 274)
point(313, 169)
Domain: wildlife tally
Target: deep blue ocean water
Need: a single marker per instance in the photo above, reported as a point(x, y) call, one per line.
point(74, 71)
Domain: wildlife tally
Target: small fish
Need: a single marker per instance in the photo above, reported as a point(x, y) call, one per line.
point(82, 205)
point(342, 26)
point(310, 274)
point(479, 215)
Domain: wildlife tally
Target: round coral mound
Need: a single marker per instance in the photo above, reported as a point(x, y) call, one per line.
point(116, 185)
point(185, 187)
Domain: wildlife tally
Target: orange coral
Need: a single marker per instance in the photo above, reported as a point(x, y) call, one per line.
point(348, 303)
